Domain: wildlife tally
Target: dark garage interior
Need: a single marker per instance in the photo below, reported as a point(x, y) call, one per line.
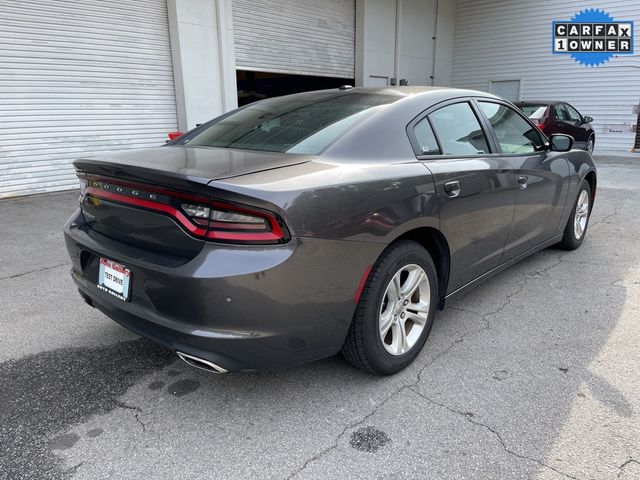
point(253, 86)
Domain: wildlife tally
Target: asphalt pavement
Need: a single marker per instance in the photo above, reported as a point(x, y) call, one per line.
point(533, 375)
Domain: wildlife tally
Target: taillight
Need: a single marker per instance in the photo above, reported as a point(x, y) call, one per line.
point(197, 213)
point(211, 220)
point(539, 123)
point(84, 183)
point(235, 223)
point(174, 135)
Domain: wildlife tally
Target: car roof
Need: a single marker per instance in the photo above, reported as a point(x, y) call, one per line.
point(539, 102)
point(400, 92)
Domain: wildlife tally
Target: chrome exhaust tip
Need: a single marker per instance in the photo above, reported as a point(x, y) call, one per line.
point(200, 363)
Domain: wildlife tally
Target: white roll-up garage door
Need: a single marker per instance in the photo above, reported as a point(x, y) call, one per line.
point(303, 37)
point(77, 78)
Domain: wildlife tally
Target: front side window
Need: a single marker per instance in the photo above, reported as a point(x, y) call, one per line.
point(514, 133)
point(459, 130)
point(306, 124)
point(561, 113)
point(573, 114)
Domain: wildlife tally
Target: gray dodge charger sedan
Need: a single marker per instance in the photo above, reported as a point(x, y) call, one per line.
point(339, 220)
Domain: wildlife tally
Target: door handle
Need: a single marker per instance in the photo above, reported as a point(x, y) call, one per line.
point(452, 189)
point(522, 181)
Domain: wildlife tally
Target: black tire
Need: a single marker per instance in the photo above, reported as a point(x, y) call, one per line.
point(591, 143)
point(363, 346)
point(570, 240)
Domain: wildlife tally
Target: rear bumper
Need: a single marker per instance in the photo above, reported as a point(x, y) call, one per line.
point(240, 307)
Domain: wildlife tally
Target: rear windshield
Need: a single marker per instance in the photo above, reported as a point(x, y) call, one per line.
point(534, 110)
point(305, 124)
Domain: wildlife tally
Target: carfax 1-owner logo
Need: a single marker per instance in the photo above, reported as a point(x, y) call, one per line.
point(592, 37)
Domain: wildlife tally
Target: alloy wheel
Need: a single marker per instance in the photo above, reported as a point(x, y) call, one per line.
point(582, 215)
point(405, 309)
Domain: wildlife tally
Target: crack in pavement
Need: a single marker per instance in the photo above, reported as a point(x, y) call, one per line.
point(351, 426)
point(128, 407)
point(396, 392)
point(485, 318)
point(144, 426)
point(72, 470)
point(625, 465)
point(582, 262)
point(468, 416)
point(88, 382)
point(136, 415)
point(8, 277)
point(605, 219)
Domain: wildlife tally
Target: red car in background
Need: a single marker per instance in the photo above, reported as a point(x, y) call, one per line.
point(560, 117)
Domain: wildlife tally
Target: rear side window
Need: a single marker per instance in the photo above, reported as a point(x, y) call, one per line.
point(514, 133)
point(534, 111)
point(425, 137)
point(458, 130)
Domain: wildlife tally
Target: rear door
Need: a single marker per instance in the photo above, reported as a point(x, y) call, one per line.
point(559, 118)
point(475, 187)
point(567, 120)
point(541, 176)
point(574, 126)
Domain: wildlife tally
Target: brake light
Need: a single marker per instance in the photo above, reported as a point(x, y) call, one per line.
point(539, 122)
point(174, 135)
point(211, 220)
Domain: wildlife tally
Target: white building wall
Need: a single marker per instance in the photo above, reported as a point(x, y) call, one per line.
point(410, 39)
point(511, 40)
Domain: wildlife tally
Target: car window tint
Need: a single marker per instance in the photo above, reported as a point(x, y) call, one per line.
point(514, 133)
point(562, 113)
point(459, 130)
point(426, 138)
point(573, 114)
point(534, 111)
point(300, 124)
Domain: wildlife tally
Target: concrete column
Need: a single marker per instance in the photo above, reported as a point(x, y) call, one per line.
point(445, 30)
point(375, 42)
point(203, 59)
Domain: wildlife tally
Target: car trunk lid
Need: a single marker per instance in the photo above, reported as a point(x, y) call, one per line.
point(139, 197)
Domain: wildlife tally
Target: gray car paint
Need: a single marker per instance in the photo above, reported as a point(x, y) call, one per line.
point(255, 307)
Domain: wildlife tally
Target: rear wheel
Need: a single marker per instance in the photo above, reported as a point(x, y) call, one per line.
point(576, 228)
point(395, 312)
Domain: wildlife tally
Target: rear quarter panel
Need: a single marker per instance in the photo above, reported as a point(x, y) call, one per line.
point(352, 201)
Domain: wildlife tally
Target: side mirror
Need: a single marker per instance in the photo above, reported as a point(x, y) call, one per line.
point(587, 119)
point(560, 142)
